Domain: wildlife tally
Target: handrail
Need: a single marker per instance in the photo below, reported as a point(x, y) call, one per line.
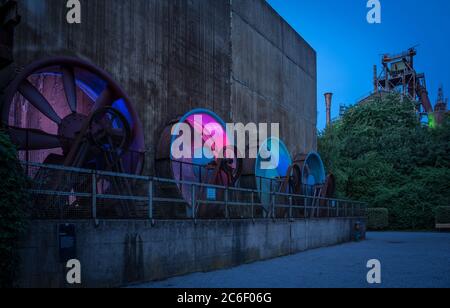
point(311, 206)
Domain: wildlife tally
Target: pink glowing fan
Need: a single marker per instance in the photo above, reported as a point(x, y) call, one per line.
point(214, 163)
point(65, 111)
point(53, 108)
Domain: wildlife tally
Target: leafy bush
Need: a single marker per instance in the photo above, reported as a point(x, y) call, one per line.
point(12, 209)
point(380, 153)
point(377, 219)
point(443, 215)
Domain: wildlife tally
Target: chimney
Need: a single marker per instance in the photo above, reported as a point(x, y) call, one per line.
point(328, 100)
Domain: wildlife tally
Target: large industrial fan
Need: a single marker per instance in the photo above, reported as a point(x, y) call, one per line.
point(215, 164)
point(306, 176)
point(65, 111)
point(267, 173)
point(303, 177)
point(312, 173)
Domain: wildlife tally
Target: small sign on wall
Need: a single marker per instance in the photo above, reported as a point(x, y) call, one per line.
point(67, 242)
point(211, 194)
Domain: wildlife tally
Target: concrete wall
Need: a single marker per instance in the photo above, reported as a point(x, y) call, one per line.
point(236, 57)
point(274, 77)
point(170, 56)
point(117, 253)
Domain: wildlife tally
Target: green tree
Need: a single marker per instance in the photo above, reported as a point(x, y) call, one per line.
point(381, 154)
point(13, 209)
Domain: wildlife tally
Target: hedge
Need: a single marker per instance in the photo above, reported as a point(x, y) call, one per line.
point(443, 215)
point(378, 219)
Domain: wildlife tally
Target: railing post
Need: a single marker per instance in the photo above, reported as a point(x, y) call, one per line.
point(290, 207)
point(150, 199)
point(337, 208)
point(27, 153)
point(273, 205)
point(94, 195)
point(253, 205)
point(227, 214)
point(305, 211)
point(193, 201)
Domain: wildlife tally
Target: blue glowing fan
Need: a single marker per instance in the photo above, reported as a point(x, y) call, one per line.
point(271, 167)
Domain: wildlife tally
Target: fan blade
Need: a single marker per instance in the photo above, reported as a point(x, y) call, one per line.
point(33, 139)
point(38, 101)
point(70, 87)
point(104, 98)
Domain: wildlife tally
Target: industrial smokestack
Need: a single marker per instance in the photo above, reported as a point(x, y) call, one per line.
point(328, 101)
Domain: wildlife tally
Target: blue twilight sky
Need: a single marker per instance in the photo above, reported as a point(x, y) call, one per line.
point(348, 47)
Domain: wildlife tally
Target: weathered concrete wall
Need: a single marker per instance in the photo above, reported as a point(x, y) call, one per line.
point(274, 74)
point(117, 253)
point(236, 57)
point(170, 56)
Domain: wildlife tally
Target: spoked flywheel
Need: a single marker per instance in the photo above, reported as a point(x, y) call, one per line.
point(65, 111)
point(51, 106)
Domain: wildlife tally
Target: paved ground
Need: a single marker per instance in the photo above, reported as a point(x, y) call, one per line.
point(407, 260)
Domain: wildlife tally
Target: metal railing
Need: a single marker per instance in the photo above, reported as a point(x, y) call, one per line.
point(72, 193)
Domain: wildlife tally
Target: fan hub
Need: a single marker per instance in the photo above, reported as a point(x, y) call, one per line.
point(71, 125)
point(69, 128)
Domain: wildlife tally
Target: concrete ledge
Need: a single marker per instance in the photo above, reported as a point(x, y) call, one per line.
point(119, 252)
point(442, 226)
